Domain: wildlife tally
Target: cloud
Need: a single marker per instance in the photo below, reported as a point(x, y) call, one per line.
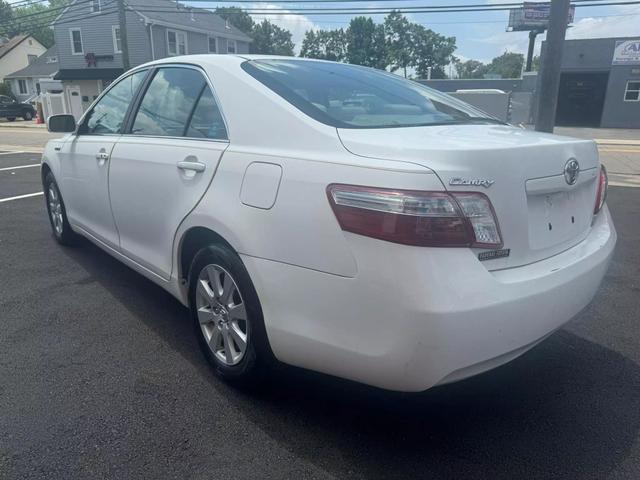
point(296, 24)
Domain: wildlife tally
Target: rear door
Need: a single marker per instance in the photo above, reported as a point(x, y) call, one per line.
point(164, 163)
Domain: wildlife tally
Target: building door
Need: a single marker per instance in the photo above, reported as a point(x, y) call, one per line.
point(75, 101)
point(581, 98)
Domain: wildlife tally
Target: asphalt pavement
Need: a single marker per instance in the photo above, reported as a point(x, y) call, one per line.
point(101, 377)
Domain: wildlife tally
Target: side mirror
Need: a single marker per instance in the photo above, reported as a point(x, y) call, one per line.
point(61, 123)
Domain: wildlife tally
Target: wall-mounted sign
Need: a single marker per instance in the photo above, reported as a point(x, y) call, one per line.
point(533, 16)
point(627, 52)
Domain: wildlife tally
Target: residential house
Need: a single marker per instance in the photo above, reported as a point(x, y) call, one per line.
point(87, 34)
point(26, 82)
point(17, 53)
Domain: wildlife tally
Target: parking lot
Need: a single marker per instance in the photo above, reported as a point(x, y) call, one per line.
point(101, 377)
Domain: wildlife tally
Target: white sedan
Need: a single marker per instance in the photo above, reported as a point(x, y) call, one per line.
point(333, 217)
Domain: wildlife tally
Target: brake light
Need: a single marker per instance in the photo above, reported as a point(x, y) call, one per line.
point(409, 217)
point(603, 185)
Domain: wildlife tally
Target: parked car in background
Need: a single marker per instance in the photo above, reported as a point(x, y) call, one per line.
point(334, 217)
point(12, 109)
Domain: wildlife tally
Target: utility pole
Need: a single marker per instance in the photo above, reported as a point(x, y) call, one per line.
point(549, 80)
point(124, 46)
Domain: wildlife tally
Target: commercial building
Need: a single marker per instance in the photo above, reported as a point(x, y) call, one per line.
point(600, 83)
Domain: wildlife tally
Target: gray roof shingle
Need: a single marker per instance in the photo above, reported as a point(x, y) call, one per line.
point(39, 67)
point(167, 11)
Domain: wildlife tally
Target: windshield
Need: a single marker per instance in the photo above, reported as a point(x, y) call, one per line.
point(349, 96)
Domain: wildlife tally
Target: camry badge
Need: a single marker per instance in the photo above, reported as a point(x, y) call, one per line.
point(475, 182)
point(571, 171)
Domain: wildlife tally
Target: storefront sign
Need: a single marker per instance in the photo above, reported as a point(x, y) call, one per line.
point(627, 52)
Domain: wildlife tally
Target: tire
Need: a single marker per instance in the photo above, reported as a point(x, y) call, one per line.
point(11, 119)
point(57, 213)
point(27, 116)
point(224, 311)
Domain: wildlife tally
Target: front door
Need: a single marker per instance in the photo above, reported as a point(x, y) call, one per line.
point(75, 101)
point(85, 162)
point(161, 168)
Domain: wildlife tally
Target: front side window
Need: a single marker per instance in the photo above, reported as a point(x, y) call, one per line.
point(176, 42)
point(168, 103)
point(22, 87)
point(348, 96)
point(108, 114)
point(632, 92)
point(213, 45)
point(231, 46)
point(76, 41)
point(117, 43)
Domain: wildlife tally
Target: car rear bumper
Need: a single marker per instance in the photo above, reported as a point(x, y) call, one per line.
point(416, 317)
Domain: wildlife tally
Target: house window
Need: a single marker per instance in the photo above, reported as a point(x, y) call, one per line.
point(632, 92)
point(22, 87)
point(31, 58)
point(231, 46)
point(213, 45)
point(95, 6)
point(176, 42)
point(76, 41)
point(117, 42)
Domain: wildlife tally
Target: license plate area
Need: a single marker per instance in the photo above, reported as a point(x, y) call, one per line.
point(558, 217)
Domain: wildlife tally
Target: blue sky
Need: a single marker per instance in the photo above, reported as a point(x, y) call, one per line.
point(480, 35)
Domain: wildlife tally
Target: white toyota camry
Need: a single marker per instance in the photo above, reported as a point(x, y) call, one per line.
point(333, 217)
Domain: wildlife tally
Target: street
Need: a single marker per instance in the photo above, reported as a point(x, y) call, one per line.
point(101, 376)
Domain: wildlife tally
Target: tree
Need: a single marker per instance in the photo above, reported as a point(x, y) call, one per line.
point(269, 39)
point(325, 45)
point(398, 41)
point(33, 24)
point(6, 15)
point(430, 50)
point(507, 65)
point(237, 17)
point(535, 64)
point(365, 43)
point(470, 69)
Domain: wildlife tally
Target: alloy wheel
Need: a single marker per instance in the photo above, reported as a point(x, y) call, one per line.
point(222, 314)
point(55, 209)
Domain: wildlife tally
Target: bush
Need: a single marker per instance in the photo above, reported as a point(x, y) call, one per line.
point(5, 89)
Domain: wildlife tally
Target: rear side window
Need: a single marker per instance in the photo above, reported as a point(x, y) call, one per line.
point(177, 103)
point(108, 114)
point(207, 121)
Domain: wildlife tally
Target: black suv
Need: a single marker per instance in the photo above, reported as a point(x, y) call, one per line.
point(12, 109)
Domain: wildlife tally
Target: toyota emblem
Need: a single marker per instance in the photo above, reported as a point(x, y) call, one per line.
point(571, 171)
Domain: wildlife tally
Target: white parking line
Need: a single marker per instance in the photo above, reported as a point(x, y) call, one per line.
point(2, 200)
point(19, 166)
point(11, 153)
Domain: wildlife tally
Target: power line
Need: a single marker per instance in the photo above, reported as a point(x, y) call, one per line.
point(73, 19)
point(471, 22)
point(47, 16)
point(44, 12)
point(365, 10)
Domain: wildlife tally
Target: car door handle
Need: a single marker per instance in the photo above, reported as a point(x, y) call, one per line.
point(195, 166)
point(102, 156)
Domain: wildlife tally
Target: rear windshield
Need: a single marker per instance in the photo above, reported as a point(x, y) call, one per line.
point(348, 96)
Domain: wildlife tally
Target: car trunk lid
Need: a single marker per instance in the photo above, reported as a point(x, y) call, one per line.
point(522, 173)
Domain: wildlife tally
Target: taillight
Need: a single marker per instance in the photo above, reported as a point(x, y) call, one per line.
point(429, 219)
point(603, 185)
